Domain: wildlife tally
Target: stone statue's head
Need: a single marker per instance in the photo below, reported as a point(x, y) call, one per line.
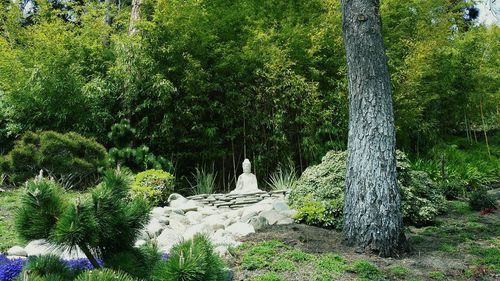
point(247, 167)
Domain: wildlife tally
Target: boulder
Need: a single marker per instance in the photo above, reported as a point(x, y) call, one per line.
point(224, 238)
point(222, 251)
point(17, 251)
point(215, 221)
point(197, 229)
point(289, 213)
point(158, 212)
point(257, 208)
point(38, 248)
point(194, 217)
point(272, 216)
point(167, 239)
point(154, 227)
point(258, 222)
point(285, 221)
point(139, 243)
point(249, 216)
point(240, 229)
point(280, 206)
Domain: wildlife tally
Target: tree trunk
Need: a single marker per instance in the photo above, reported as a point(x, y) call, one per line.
point(372, 210)
point(135, 16)
point(89, 256)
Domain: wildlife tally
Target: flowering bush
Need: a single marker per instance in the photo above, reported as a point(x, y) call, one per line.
point(154, 186)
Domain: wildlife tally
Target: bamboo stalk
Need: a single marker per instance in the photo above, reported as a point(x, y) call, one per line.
point(484, 128)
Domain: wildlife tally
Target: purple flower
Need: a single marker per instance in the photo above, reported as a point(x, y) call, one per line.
point(3, 259)
point(81, 264)
point(165, 256)
point(10, 268)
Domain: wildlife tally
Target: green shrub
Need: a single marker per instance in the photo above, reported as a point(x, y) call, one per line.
point(70, 158)
point(49, 267)
point(204, 181)
point(283, 178)
point(191, 260)
point(480, 199)
point(103, 275)
point(138, 263)
point(153, 185)
point(321, 182)
point(460, 166)
point(327, 214)
point(318, 194)
point(125, 153)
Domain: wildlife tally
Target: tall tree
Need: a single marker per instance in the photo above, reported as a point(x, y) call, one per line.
point(372, 209)
point(135, 16)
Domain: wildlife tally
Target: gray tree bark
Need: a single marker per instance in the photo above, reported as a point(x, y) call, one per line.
point(135, 16)
point(372, 204)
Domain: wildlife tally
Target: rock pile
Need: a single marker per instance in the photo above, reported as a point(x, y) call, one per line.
point(236, 201)
point(224, 218)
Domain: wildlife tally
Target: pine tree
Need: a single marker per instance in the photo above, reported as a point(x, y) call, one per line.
point(101, 222)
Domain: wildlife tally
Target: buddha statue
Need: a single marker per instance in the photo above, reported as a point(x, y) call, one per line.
point(247, 182)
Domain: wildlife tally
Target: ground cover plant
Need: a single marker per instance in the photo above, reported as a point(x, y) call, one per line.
point(462, 245)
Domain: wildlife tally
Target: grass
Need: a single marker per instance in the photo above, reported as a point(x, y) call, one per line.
point(8, 203)
point(462, 245)
point(274, 260)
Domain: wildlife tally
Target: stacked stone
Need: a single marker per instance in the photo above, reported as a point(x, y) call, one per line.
point(236, 201)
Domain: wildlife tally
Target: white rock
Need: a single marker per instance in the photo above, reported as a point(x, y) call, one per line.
point(197, 229)
point(289, 213)
point(258, 222)
point(39, 247)
point(158, 212)
point(139, 243)
point(72, 254)
point(180, 218)
point(17, 251)
point(285, 221)
point(207, 211)
point(224, 238)
point(222, 251)
point(215, 221)
point(258, 208)
point(154, 227)
point(249, 216)
point(176, 200)
point(230, 221)
point(194, 217)
point(167, 239)
point(177, 211)
point(178, 226)
point(180, 202)
point(190, 206)
point(280, 206)
point(240, 229)
point(272, 216)
point(163, 220)
point(16, 257)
